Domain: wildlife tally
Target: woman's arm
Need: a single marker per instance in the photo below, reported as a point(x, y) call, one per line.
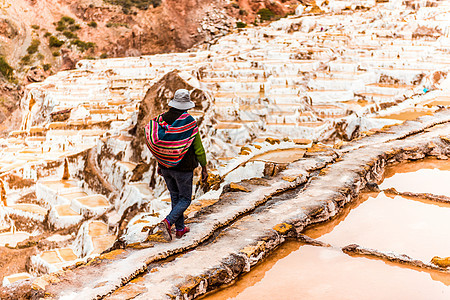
point(201, 155)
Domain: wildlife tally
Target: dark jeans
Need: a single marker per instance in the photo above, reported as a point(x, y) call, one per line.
point(179, 184)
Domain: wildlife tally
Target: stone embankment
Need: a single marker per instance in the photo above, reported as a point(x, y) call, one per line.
point(76, 179)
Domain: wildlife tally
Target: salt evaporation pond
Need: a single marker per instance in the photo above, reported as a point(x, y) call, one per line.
point(407, 114)
point(395, 224)
point(376, 220)
point(12, 239)
point(324, 273)
point(426, 176)
point(281, 156)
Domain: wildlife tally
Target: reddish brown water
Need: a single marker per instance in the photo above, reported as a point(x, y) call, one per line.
point(102, 243)
point(94, 201)
point(441, 100)
point(408, 114)
point(281, 156)
point(411, 226)
point(60, 184)
point(17, 277)
point(32, 208)
point(324, 273)
point(426, 176)
point(98, 228)
point(394, 224)
point(66, 210)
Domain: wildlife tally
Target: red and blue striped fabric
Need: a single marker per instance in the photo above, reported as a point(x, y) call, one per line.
point(169, 143)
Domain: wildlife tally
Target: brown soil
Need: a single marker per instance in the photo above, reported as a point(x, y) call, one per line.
point(10, 116)
point(14, 260)
point(16, 182)
point(246, 10)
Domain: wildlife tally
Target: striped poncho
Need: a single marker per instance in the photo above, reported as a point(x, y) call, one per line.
point(169, 143)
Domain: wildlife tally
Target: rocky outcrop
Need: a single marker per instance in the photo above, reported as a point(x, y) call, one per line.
point(10, 95)
point(247, 10)
point(68, 59)
point(94, 177)
point(441, 262)
point(36, 75)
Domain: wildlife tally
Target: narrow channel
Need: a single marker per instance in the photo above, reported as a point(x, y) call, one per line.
point(382, 221)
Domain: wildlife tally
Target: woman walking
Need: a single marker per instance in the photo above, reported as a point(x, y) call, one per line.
point(174, 140)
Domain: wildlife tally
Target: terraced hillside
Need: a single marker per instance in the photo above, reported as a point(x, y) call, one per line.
point(320, 103)
point(41, 37)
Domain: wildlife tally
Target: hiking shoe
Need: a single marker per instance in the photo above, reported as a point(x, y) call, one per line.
point(180, 233)
point(164, 229)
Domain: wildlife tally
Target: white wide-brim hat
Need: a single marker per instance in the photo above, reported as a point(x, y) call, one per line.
point(182, 100)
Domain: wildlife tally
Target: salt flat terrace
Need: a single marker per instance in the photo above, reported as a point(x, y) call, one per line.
point(224, 248)
point(71, 177)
